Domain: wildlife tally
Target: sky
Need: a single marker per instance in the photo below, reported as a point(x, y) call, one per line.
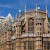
point(13, 6)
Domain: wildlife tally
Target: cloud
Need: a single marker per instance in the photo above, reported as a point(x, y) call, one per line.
point(7, 6)
point(47, 1)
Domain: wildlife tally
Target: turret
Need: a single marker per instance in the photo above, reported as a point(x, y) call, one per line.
point(39, 31)
point(18, 27)
point(46, 22)
point(39, 24)
point(46, 10)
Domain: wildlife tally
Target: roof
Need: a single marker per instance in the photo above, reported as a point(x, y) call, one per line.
point(33, 10)
point(2, 17)
point(9, 16)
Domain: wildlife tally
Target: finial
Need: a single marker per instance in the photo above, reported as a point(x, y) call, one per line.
point(46, 9)
point(36, 6)
point(16, 17)
point(25, 8)
point(25, 12)
point(38, 13)
point(19, 12)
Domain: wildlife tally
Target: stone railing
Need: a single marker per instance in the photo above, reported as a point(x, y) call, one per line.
point(33, 35)
point(46, 35)
point(13, 37)
point(28, 35)
point(23, 35)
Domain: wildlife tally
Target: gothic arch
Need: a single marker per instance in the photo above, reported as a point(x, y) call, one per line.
point(31, 25)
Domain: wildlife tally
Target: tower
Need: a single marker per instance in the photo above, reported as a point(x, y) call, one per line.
point(18, 27)
point(39, 31)
point(46, 21)
point(18, 33)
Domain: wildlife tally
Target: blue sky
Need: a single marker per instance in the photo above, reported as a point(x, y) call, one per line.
point(12, 6)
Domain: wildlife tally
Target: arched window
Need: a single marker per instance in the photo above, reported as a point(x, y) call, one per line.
point(46, 45)
point(30, 45)
point(31, 25)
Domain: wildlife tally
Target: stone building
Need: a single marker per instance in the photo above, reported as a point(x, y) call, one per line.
point(30, 31)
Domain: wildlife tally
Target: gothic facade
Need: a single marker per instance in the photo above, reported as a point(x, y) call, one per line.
point(30, 31)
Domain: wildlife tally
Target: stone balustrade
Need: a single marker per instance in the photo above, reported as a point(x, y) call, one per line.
point(28, 35)
point(46, 35)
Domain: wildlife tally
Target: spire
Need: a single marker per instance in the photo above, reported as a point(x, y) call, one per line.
point(46, 15)
point(36, 6)
point(25, 8)
point(9, 16)
point(38, 15)
point(25, 13)
point(46, 9)
point(19, 12)
point(16, 17)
